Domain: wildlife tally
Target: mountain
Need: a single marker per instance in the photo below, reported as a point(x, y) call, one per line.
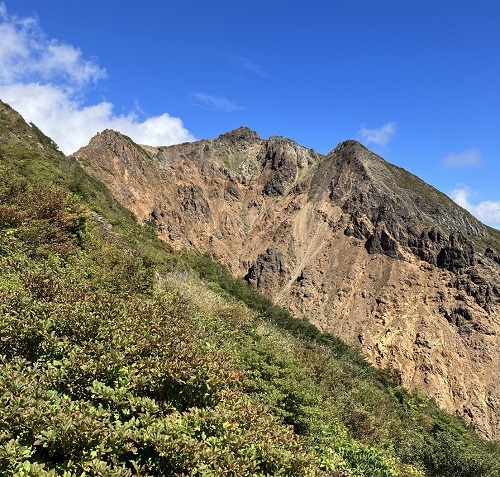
point(364, 249)
point(120, 356)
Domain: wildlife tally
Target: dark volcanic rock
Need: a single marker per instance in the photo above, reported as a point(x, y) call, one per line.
point(458, 254)
point(242, 134)
point(268, 271)
point(193, 201)
point(382, 242)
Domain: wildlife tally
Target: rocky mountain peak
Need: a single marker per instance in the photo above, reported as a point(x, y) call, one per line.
point(110, 140)
point(348, 147)
point(241, 134)
point(107, 133)
point(365, 249)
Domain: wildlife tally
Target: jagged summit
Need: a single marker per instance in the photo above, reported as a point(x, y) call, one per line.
point(355, 178)
point(110, 136)
point(108, 132)
point(365, 249)
point(347, 146)
point(240, 134)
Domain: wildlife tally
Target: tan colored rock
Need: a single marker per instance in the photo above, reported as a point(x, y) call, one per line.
point(366, 250)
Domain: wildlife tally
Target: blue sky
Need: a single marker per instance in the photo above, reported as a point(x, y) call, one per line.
point(417, 82)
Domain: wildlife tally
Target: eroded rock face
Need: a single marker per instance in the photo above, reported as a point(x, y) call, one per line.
point(268, 271)
point(364, 249)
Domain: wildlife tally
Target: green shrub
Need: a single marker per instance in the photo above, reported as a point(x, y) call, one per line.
point(109, 367)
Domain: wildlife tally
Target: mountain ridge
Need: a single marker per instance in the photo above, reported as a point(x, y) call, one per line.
point(366, 250)
point(114, 347)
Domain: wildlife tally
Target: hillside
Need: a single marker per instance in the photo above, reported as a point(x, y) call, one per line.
point(120, 357)
point(364, 249)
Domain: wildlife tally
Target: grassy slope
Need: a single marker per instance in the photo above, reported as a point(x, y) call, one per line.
point(111, 364)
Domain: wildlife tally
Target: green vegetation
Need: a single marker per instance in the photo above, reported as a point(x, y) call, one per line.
point(493, 241)
point(429, 197)
point(226, 161)
point(111, 364)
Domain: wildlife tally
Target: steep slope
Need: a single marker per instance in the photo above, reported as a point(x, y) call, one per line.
point(366, 250)
point(111, 365)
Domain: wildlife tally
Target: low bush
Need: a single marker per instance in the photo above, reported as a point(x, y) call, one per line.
point(111, 367)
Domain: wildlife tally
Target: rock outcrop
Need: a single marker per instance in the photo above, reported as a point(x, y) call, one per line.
point(363, 248)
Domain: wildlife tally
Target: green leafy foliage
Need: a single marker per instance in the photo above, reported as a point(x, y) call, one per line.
point(321, 387)
point(102, 373)
point(111, 365)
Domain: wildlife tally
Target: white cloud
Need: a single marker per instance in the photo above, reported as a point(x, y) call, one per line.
point(215, 102)
point(45, 81)
point(26, 52)
point(380, 136)
point(72, 125)
point(469, 158)
point(247, 64)
point(487, 211)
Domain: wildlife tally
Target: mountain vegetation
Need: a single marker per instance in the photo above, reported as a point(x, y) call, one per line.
point(121, 357)
point(364, 249)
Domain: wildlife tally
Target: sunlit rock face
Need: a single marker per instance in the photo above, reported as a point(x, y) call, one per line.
point(362, 248)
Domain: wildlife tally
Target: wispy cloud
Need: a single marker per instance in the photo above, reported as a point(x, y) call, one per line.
point(242, 62)
point(45, 80)
point(465, 159)
point(219, 103)
point(487, 211)
point(26, 53)
point(249, 65)
point(381, 136)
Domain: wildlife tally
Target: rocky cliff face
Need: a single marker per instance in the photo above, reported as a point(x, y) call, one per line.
point(366, 250)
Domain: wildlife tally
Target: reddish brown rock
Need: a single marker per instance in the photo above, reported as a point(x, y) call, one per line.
point(366, 250)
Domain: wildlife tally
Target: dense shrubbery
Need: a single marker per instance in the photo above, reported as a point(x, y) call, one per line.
point(320, 380)
point(101, 373)
point(112, 366)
